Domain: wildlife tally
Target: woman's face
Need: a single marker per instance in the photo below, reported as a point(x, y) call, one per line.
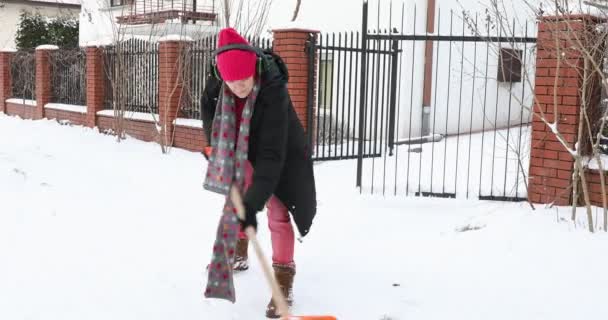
point(241, 88)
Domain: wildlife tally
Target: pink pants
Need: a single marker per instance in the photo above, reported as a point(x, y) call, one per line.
point(281, 231)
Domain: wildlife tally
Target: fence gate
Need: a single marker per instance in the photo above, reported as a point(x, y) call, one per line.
point(444, 113)
point(341, 77)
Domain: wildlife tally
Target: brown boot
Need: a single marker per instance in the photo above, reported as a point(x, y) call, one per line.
point(240, 259)
point(284, 273)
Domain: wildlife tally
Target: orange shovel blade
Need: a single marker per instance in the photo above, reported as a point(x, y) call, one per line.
point(311, 318)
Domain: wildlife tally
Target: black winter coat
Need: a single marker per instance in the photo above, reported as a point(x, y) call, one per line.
point(278, 148)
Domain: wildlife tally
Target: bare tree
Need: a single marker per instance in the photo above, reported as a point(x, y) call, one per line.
point(247, 17)
point(297, 10)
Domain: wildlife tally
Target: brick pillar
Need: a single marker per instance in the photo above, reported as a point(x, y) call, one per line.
point(95, 84)
point(290, 44)
point(170, 83)
point(44, 88)
point(5, 77)
point(551, 165)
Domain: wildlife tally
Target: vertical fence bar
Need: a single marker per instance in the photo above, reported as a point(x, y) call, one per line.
point(373, 133)
point(399, 99)
point(409, 136)
point(434, 110)
point(331, 95)
point(457, 155)
point(521, 114)
point(472, 108)
point(385, 99)
point(504, 191)
point(357, 93)
point(343, 109)
point(499, 31)
point(363, 97)
point(393, 95)
point(350, 92)
point(337, 65)
point(485, 99)
point(421, 154)
point(447, 104)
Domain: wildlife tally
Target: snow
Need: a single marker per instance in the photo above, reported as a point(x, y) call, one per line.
point(66, 107)
point(175, 37)
point(141, 116)
point(28, 102)
point(9, 50)
point(447, 165)
point(90, 229)
point(594, 165)
point(191, 123)
point(99, 43)
point(295, 25)
point(56, 2)
point(47, 47)
point(553, 127)
point(428, 138)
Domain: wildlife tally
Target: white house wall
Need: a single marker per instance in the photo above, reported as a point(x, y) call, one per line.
point(97, 21)
point(474, 93)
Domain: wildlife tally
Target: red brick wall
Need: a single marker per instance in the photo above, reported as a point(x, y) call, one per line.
point(141, 130)
point(5, 78)
point(43, 81)
point(192, 139)
point(595, 187)
point(170, 85)
point(74, 117)
point(290, 44)
point(95, 84)
point(21, 110)
point(551, 164)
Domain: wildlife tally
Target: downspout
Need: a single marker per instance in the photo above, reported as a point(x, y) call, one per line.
point(428, 69)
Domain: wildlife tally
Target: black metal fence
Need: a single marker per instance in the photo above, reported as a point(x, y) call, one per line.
point(197, 67)
point(458, 128)
point(69, 82)
point(340, 78)
point(23, 74)
point(197, 60)
point(131, 76)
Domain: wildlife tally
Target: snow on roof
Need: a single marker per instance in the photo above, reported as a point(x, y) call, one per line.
point(60, 2)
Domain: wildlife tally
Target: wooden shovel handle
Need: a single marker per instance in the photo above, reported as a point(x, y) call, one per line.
point(277, 295)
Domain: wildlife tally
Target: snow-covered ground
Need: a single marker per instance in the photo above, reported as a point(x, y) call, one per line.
point(488, 163)
point(95, 229)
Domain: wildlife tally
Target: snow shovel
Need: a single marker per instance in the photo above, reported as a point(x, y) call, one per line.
point(277, 295)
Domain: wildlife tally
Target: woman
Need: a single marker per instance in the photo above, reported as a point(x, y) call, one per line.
point(251, 88)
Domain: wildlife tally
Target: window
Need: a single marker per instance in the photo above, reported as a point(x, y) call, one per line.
point(118, 3)
point(509, 65)
point(326, 76)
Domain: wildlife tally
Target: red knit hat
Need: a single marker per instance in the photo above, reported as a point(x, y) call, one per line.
point(234, 64)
